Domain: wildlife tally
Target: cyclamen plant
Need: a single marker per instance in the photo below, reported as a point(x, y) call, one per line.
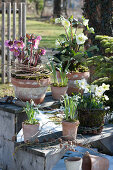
point(93, 96)
point(29, 55)
point(71, 44)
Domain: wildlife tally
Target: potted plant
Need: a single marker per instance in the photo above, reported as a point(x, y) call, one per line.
point(70, 122)
point(71, 49)
point(91, 109)
point(31, 125)
point(29, 77)
point(58, 87)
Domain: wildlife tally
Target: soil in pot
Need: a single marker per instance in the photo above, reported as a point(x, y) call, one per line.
point(58, 92)
point(69, 130)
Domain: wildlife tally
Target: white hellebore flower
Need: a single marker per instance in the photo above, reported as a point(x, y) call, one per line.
point(93, 88)
point(99, 91)
point(85, 22)
point(106, 97)
point(66, 23)
point(105, 86)
point(57, 20)
point(81, 38)
point(82, 83)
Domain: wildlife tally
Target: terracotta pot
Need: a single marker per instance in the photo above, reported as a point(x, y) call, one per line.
point(75, 76)
point(72, 76)
point(29, 130)
point(91, 121)
point(69, 130)
point(26, 90)
point(73, 163)
point(91, 162)
point(58, 92)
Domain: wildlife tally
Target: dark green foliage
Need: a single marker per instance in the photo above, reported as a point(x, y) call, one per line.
point(103, 64)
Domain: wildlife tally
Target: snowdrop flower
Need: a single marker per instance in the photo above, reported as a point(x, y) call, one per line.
point(106, 97)
point(85, 22)
point(66, 23)
point(81, 38)
point(91, 30)
point(105, 86)
point(86, 90)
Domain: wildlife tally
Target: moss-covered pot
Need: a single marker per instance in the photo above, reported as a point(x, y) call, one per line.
point(91, 121)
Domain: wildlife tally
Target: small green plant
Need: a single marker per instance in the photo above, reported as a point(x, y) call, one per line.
point(63, 77)
point(30, 111)
point(70, 104)
point(51, 67)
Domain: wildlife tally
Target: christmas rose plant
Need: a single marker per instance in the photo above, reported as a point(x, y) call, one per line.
point(92, 96)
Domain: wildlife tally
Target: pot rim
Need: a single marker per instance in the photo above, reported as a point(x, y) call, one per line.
point(72, 159)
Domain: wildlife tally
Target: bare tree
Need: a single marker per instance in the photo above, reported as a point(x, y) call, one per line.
point(57, 8)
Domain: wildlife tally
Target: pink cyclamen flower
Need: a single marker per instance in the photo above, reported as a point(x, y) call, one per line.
point(8, 43)
point(19, 44)
point(37, 41)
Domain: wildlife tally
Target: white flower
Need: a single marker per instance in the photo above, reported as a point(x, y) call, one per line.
point(86, 90)
point(57, 20)
point(99, 91)
point(85, 22)
point(93, 88)
point(32, 102)
point(82, 83)
point(91, 30)
point(105, 86)
point(66, 23)
point(106, 97)
point(81, 38)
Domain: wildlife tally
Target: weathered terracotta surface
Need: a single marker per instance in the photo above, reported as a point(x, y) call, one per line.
point(29, 130)
point(92, 162)
point(75, 76)
point(26, 90)
point(73, 163)
point(69, 129)
point(72, 76)
point(58, 92)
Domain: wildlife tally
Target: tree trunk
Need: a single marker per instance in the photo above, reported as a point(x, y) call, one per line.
point(57, 8)
point(99, 13)
point(65, 7)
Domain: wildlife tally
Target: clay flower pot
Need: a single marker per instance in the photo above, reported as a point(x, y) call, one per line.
point(58, 92)
point(30, 89)
point(92, 162)
point(72, 76)
point(75, 76)
point(73, 163)
point(69, 129)
point(29, 130)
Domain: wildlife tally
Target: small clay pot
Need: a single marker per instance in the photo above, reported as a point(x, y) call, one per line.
point(29, 130)
point(73, 163)
point(69, 130)
point(72, 76)
point(92, 162)
point(58, 92)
